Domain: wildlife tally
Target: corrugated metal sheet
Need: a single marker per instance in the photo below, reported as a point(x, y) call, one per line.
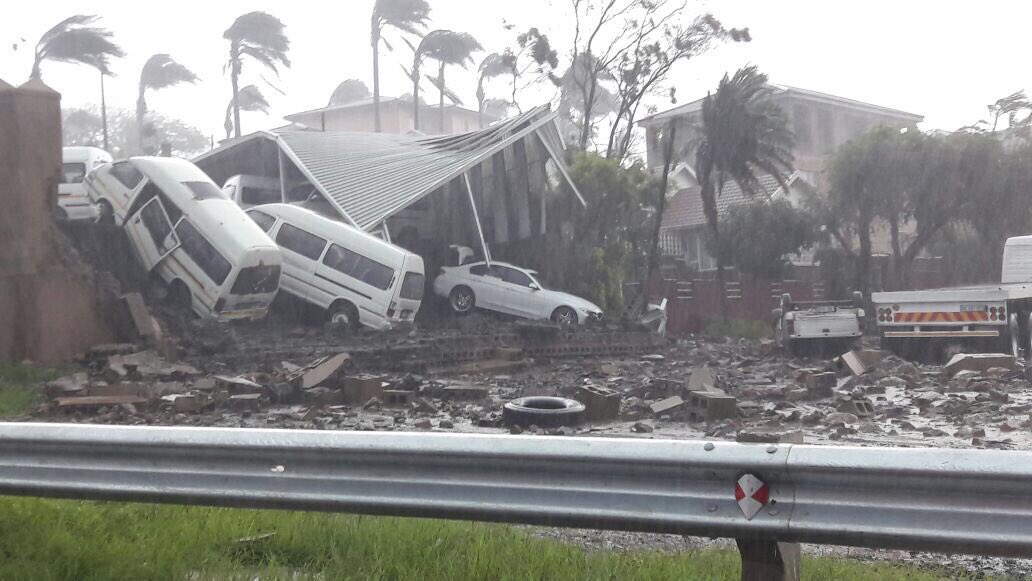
point(370, 176)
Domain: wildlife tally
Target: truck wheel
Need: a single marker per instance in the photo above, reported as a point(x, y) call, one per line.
point(1013, 336)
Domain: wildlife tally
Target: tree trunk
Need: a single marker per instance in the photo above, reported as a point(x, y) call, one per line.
point(863, 282)
point(589, 103)
point(480, 113)
point(898, 263)
point(653, 262)
point(440, 78)
point(376, 77)
point(141, 113)
point(234, 78)
point(103, 113)
point(415, 94)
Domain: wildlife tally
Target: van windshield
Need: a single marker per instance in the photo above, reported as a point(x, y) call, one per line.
point(205, 191)
point(257, 280)
point(412, 286)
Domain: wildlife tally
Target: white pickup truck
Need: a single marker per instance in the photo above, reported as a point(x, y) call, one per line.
point(827, 327)
point(981, 318)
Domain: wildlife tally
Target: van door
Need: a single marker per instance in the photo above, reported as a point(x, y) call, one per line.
point(151, 233)
point(301, 251)
point(359, 279)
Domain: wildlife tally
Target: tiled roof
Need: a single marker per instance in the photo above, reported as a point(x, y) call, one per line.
point(684, 210)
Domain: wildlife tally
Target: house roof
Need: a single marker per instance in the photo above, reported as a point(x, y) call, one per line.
point(299, 116)
point(370, 176)
point(786, 91)
point(684, 210)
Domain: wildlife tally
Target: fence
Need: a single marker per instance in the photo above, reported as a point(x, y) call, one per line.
point(943, 500)
point(690, 303)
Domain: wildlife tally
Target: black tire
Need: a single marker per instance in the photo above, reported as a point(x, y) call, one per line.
point(462, 299)
point(564, 316)
point(544, 412)
point(60, 214)
point(1013, 342)
point(179, 296)
point(105, 213)
point(344, 315)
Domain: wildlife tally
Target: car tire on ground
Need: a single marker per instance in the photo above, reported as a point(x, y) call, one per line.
point(179, 296)
point(462, 299)
point(544, 412)
point(564, 316)
point(60, 214)
point(105, 213)
point(344, 314)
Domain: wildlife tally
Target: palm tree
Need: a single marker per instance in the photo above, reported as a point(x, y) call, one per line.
point(493, 65)
point(742, 136)
point(159, 72)
point(249, 99)
point(260, 36)
point(447, 48)
point(74, 40)
point(405, 15)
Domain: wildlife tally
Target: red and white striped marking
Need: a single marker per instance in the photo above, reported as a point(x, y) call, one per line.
point(752, 494)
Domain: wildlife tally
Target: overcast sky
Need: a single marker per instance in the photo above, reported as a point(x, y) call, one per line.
point(945, 60)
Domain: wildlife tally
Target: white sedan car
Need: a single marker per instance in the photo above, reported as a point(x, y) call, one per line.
point(512, 290)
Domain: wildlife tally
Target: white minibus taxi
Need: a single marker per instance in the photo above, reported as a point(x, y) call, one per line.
point(357, 277)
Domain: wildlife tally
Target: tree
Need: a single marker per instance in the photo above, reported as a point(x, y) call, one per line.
point(250, 99)
point(159, 72)
point(408, 16)
point(447, 48)
point(83, 126)
point(760, 236)
point(75, 40)
point(742, 136)
point(493, 65)
point(532, 59)
point(259, 36)
point(349, 91)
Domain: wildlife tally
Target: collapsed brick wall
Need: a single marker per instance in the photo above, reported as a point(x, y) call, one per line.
point(49, 307)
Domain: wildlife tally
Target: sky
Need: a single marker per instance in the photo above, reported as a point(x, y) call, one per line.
point(944, 59)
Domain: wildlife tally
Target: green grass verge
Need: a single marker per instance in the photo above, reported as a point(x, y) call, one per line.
point(61, 539)
point(738, 328)
point(18, 387)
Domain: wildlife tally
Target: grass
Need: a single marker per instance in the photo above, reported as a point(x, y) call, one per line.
point(738, 328)
point(18, 385)
point(63, 539)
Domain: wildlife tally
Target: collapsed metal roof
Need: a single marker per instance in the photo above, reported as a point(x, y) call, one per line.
point(370, 176)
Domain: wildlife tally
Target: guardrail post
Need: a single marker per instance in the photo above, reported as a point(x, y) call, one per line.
point(764, 559)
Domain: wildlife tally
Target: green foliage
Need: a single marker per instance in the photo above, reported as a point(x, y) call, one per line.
point(62, 539)
point(83, 127)
point(759, 237)
point(76, 40)
point(737, 328)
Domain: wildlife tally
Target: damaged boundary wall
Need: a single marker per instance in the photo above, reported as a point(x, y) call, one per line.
point(49, 306)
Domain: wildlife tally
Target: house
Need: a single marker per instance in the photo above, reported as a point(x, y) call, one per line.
point(395, 117)
point(820, 122)
point(684, 230)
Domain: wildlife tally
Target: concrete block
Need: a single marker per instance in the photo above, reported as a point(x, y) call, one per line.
point(600, 403)
point(362, 388)
point(711, 406)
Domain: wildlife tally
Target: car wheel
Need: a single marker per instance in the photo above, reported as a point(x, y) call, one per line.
point(544, 412)
point(60, 214)
point(179, 296)
point(344, 314)
point(462, 299)
point(564, 316)
point(105, 213)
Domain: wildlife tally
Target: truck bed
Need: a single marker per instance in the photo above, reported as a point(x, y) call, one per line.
point(984, 292)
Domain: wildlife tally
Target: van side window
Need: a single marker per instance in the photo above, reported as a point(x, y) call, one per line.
point(126, 173)
point(359, 267)
point(203, 253)
point(297, 240)
point(151, 190)
point(158, 226)
point(263, 220)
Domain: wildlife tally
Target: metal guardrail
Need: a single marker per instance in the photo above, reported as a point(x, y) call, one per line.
point(942, 500)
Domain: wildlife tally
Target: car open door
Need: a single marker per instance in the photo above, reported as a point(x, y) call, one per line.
point(151, 233)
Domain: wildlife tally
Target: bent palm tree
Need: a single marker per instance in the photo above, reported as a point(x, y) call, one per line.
point(405, 15)
point(493, 65)
point(249, 99)
point(447, 48)
point(74, 40)
point(742, 136)
point(159, 72)
point(260, 36)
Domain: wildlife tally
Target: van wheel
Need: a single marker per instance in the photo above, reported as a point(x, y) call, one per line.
point(462, 299)
point(344, 314)
point(564, 316)
point(179, 296)
point(105, 213)
point(60, 214)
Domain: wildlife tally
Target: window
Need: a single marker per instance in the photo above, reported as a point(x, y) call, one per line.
point(412, 286)
point(359, 267)
point(205, 191)
point(297, 240)
point(126, 173)
point(203, 253)
point(263, 220)
point(73, 173)
point(802, 124)
point(513, 276)
point(258, 196)
point(157, 225)
point(826, 130)
point(256, 280)
point(483, 270)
